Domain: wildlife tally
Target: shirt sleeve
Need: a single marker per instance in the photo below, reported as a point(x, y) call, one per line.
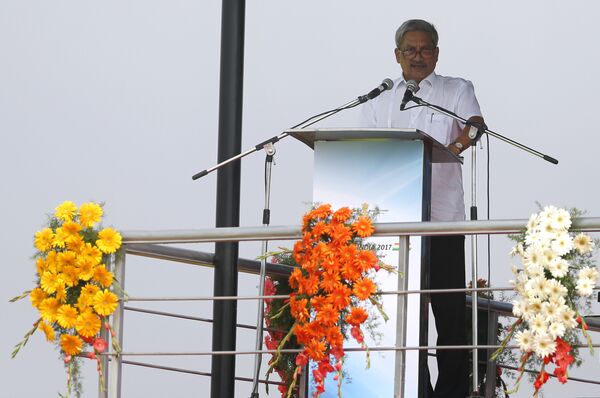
point(368, 117)
point(467, 105)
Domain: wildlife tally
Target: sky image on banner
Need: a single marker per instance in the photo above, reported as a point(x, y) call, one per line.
point(386, 174)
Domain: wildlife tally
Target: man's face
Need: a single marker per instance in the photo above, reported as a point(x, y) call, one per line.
point(416, 55)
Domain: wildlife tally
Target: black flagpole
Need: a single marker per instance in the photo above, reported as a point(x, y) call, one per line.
point(228, 196)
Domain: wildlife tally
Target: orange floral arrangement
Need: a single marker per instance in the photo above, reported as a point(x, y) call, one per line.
point(329, 291)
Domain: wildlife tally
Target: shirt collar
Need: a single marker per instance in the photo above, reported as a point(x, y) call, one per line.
point(429, 80)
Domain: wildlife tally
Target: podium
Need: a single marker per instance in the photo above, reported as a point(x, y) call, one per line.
point(390, 169)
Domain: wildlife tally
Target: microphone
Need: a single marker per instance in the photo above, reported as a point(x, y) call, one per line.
point(411, 88)
point(386, 84)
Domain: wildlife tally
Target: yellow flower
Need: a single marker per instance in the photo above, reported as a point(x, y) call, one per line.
point(91, 252)
point(109, 240)
point(105, 302)
point(71, 230)
point(89, 214)
point(48, 331)
point(43, 239)
point(66, 316)
point(52, 262)
point(40, 265)
point(36, 297)
point(75, 243)
point(89, 290)
point(48, 309)
point(86, 268)
point(66, 259)
point(70, 275)
point(71, 345)
point(102, 276)
point(88, 324)
point(50, 281)
point(65, 211)
point(60, 238)
point(61, 294)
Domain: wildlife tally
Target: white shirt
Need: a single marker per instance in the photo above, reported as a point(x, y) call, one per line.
point(454, 94)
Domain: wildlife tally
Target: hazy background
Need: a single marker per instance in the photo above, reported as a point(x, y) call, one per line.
point(116, 101)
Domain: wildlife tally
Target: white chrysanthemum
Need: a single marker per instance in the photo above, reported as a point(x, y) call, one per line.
point(589, 272)
point(534, 307)
point(548, 212)
point(538, 324)
point(532, 255)
point(558, 267)
point(561, 220)
point(520, 283)
point(567, 317)
point(534, 270)
point(547, 257)
point(537, 288)
point(583, 243)
point(515, 270)
point(546, 229)
point(562, 244)
point(535, 240)
point(519, 307)
point(550, 311)
point(556, 329)
point(556, 289)
point(525, 340)
point(543, 345)
point(585, 287)
point(532, 223)
point(559, 301)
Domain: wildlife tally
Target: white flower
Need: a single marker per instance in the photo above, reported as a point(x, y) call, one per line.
point(548, 211)
point(547, 257)
point(567, 317)
point(533, 222)
point(589, 272)
point(556, 289)
point(561, 220)
point(583, 243)
point(534, 270)
point(562, 244)
point(550, 311)
point(538, 324)
point(556, 329)
point(534, 307)
point(543, 345)
point(547, 230)
point(558, 267)
point(525, 340)
point(585, 287)
point(519, 307)
point(537, 288)
point(559, 301)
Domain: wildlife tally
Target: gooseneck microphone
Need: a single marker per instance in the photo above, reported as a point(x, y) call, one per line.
point(386, 84)
point(411, 88)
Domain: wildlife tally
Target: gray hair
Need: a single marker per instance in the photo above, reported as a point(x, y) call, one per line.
point(416, 25)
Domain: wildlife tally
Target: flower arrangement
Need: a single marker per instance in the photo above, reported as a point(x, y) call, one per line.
point(73, 285)
point(329, 292)
point(557, 273)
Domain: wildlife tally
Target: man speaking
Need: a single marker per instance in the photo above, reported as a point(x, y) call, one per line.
point(417, 53)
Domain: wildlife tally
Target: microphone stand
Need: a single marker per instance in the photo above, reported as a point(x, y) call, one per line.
point(474, 134)
point(269, 148)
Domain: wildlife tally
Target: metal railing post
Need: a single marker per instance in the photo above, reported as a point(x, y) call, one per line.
point(401, 322)
point(491, 366)
point(114, 390)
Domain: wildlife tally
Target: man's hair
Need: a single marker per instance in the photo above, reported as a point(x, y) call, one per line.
point(416, 25)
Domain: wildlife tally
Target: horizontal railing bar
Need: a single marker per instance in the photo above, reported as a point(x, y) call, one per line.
point(205, 298)
point(291, 351)
point(194, 372)
point(549, 374)
point(477, 227)
point(194, 257)
point(191, 318)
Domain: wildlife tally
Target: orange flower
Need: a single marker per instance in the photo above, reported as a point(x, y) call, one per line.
point(309, 285)
point(340, 234)
point(302, 333)
point(320, 212)
point(357, 316)
point(330, 281)
point(318, 229)
point(298, 308)
point(317, 302)
point(364, 288)
point(328, 315)
point(365, 260)
point(334, 337)
point(351, 272)
point(315, 350)
point(295, 276)
point(363, 227)
point(340, 297)
point(342, 214)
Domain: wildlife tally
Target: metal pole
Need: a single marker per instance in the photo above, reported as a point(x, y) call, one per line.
point(228, 195)
point(474, 357)
point(114, 387)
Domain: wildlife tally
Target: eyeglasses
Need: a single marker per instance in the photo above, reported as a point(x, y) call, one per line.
point(425, 52)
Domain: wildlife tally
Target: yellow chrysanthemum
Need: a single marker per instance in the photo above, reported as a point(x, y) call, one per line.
point(89, 290)
point(40, 265)
point(89, 214)
point(103, 276)
point(75, 243)
point(61, 294)
point(66, 259)
point(71, 230)
point(109, 240)
point(105, 302)
point(66, 316)
point(70, 275)
point(65, 211)
point(60, 238)
point(48, 309)
point(84, 302)
point(43, 239)
point(86, 267)
point(50, 281)
point(36, 297)
point(88, 324)
point(48, 331)
point(91, 252)
point(71, 345)
point(52, 262)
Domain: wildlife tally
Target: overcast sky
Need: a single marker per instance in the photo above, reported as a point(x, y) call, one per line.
point(117, 101)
